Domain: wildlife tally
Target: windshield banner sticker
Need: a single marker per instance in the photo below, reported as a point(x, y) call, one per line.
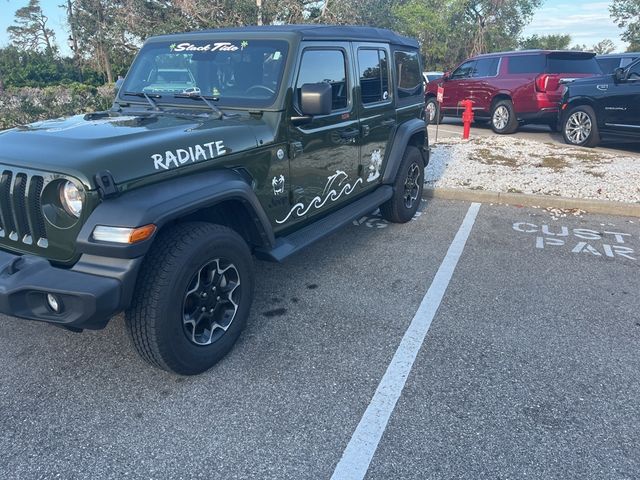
point(210, 47)
point(177, 158)
point(335, 187)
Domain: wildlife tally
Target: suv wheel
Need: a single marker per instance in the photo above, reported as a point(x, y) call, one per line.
point(580, 127)
point(407, 188)
point(432, 111)
point(503, 117)
point(193, 297)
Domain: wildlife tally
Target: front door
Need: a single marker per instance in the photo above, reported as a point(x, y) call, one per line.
point(376, 110)
point(324, 152)
point(456, 88)
point(621, 104)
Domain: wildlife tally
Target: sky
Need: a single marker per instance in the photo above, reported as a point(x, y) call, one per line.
point(587, 24)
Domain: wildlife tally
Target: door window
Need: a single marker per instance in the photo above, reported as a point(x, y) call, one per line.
point(634, 72)
point(328, 66)
point(409, 74)
point(463, 71)
point(519, 64)
point(486, 67)
point(374, 75)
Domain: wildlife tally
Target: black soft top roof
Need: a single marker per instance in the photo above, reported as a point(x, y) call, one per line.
point(317, 32)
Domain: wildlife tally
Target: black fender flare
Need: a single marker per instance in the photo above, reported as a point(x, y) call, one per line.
point(400, 141)
point(163, 202)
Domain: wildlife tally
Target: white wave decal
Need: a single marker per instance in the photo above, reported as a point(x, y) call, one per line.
point(333, 190)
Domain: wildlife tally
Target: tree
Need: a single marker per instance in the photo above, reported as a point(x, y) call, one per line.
point(30, 31)
point(580, 47)
point(546, 42)
point(452, 30)
point(496, 24)
point(604, 47)
point(626, 13)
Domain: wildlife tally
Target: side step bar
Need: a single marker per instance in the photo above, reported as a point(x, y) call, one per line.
point(296, 241)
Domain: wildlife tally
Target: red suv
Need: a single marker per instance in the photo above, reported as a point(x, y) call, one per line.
point(511, 88)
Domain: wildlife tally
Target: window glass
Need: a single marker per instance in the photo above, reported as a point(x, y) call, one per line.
point(608, 65)
point(236, 72)
point(567, 63)
point(518, 64)
point(486, 67)
point(463, 71)
point(626, 61)
point(408, 74)
point(325, 66)
point(634, 71)
point(374, 75)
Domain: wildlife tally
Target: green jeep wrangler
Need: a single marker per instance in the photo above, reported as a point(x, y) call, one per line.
point(277, 137)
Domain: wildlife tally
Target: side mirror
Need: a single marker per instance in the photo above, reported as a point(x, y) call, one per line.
point(117, 85)
point(316, 98)
point(618, 74)
point(446, 76)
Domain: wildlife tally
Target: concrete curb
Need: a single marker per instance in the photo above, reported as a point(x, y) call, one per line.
point(484, 196)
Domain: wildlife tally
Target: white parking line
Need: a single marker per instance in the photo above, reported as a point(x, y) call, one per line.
point(363, 444)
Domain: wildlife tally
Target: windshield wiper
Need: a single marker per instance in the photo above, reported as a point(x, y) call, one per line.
point(147, 97)
point(197, 95)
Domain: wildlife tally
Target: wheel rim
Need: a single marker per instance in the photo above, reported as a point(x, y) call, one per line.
point(578, 127)
point(412, 185)
point(431, 111)
point(501, 117)
point(210, 302)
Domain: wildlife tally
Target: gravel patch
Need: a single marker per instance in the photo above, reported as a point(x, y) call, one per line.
point(515, 165)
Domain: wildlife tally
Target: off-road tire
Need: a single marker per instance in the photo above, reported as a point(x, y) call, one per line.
point(437, 115)
point(500, 109)
point(397, 209)
point(156, 317)
point(570, 121)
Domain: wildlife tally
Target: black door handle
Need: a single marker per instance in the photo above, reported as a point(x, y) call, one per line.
point(388, 123)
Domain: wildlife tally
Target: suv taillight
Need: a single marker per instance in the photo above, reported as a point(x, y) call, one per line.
point(546, 82)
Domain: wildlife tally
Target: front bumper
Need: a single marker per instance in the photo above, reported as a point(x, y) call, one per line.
point(88, 300)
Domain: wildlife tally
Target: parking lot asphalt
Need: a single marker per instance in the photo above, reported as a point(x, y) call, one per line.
point(529, 369)
point(452, 127)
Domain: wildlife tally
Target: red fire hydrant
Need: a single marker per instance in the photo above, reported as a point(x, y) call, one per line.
point(467, 117)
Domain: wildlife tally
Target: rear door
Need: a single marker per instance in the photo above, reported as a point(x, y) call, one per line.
point(481, 89)
point(376, 108)
point(456, 87)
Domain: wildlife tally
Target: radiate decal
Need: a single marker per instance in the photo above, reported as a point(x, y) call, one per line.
point(177, 158)
point(336, 187)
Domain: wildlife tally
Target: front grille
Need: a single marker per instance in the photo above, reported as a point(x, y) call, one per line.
point(21, 218)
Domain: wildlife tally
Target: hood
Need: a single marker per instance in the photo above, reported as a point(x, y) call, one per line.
point(129, 146)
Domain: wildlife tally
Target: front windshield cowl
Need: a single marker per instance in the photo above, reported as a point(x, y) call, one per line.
point(238, 73)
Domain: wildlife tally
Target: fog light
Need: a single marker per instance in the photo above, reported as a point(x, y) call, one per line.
point(54, 303)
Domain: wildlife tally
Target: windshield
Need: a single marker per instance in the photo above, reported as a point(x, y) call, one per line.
point(235, 72)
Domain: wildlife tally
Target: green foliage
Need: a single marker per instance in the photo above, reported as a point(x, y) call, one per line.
point(546, 42)
point(452, 30)
point(35, 69)
point(626, 13)
point(25, 105)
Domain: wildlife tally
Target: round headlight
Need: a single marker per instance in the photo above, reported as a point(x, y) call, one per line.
point(71, 198)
